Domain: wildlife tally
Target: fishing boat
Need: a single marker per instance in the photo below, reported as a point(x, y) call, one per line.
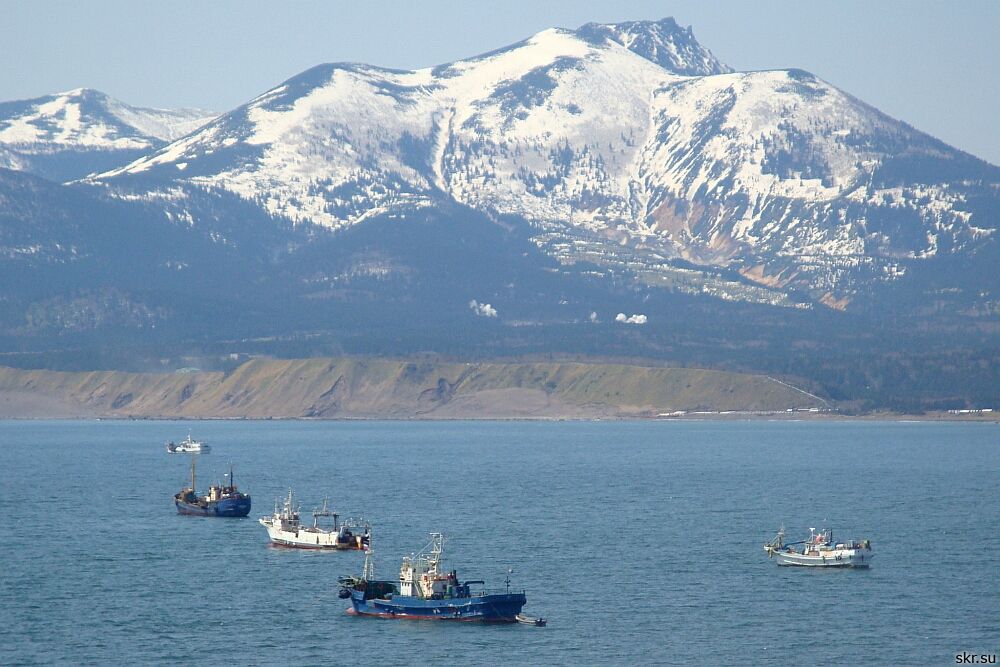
point(188, 446)
point(285, 529)
point(424, 591)
point(820, 550)
point(221, 500)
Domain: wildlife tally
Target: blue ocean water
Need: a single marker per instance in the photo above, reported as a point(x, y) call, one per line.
point(640, 542)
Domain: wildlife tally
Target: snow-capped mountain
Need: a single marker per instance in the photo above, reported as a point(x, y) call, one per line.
point(628, 145)
point(71, 134)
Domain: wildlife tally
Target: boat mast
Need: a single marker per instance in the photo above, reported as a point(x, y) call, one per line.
point(437, 547)
point(325, 511)
point(368, 573)
point(192, 474)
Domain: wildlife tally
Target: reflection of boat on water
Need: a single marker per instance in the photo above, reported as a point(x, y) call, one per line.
point(188, 446)
point(221, 500)
point(425, 592)
point(285, 529)
point(820, 550)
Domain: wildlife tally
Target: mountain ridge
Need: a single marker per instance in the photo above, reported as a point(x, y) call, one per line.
point(775, 174)
point(663, 42)
point(62, 135)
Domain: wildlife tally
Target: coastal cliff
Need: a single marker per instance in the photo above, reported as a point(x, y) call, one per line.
point(346, 388)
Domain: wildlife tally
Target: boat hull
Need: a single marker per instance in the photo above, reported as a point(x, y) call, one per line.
point(835, 559)
point(496, 608)
point(227, 507)
point(309, 539)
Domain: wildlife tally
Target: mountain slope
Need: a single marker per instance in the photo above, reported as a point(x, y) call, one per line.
point(77, 267)
point(69, 135)
point(797, 183)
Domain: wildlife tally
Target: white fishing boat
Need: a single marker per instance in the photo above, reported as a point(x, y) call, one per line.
point(285, 529)
point(188, 446)
point(820, 550)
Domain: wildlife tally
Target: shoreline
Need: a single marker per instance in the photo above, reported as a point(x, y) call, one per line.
point(830, 418)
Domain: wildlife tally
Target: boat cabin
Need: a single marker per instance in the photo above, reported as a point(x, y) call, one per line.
point(420, 577)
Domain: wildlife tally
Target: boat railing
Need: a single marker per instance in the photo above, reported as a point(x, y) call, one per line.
point(494, 591)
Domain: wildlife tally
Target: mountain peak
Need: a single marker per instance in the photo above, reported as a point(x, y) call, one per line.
point(82, 92)
point(663, 42)
point(90, 116)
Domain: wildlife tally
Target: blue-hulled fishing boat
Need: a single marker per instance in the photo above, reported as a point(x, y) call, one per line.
point(425, 592)
point(221, 500)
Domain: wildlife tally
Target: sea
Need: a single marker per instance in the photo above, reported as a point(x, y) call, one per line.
point(639, 542)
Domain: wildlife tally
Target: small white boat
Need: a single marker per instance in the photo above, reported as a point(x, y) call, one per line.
point(820, 550)
point(188, 446)
point(528, 620)
point(285, 529)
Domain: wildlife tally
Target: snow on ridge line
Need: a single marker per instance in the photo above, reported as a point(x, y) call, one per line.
point(92, 119)
point(464, 79)
point(663, 42)
point(468, 78)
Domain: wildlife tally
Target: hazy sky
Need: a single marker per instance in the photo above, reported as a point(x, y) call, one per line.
point(935, 65)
